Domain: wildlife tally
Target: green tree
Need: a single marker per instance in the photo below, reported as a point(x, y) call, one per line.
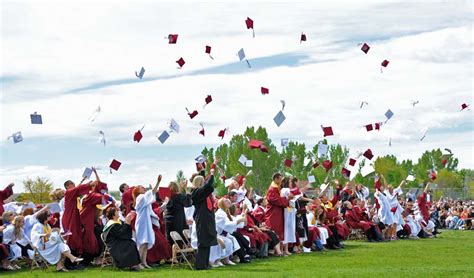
point(389, 167)
point(180, 176)
point(37, 191)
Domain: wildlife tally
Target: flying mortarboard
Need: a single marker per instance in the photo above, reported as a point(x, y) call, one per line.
point(284, 142)
point(202, 132)
point(322, 149)
point(255, 144)
point(172, 38)
point(115, 165)
point(17, 137)
point(369, 127)
point(345, 173)
point(365, 48)
point(388, 115)
point(311, 179)
point(142, 72)
point(368, 154)
point(249, 24)
point(180, 62)
point(279, 118)
point(352, 161)
point(288, 162)
point(303, 37)
point(174, 126)
point(327, 131)
point(192, 114)
point(222, 133)
point(208, 51)
point(241, 55)
point(264, 90)
point(464, 106)
point(327, 164)
point(36, 119)
point(163, 137)
point(87, 173)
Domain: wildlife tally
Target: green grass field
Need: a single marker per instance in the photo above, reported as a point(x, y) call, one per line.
point(449, 255)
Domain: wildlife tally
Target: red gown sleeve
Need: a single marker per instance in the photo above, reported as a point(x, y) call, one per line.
point(275, 199)
point(81, 189)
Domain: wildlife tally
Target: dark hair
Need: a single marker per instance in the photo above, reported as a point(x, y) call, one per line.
point(260, 201)
point(276, 176)
point(232, 194)
point(122, 187)
point(66, 183)
point(42, 216)
point(110, 213)
point(285, 183)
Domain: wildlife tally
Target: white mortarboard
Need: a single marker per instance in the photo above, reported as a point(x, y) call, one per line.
point(366, 170)
point(323, 187)
point(174, 126)
point(249, 163)
point(87, 173)
point(164, 136)
point(141, 73)
point(102, 137)
point(283, 104)
point(17, 137)
point(284, 142)
point(388, 115)
point(200, 159)
point(228, 182)
point(242, 159)
point(322, 149)
point(311, 179)
point(241, 54)
point(279, 118)
point(36, 119)
point(410, 178)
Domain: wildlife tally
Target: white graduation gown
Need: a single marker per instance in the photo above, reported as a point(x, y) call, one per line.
point(393, 200)
point(289, 215)
point(30, 221)
point(323, 232)
point(363, 194)
point(384, 214)
point(223, 224)
point(145, 219)
point(54, 247)
point(9, 239)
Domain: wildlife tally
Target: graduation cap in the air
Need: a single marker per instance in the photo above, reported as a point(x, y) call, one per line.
point(172, 38)
point(87, 173)
point(327, 164)
point(445, 156)
point(208, 51)
point(288, 162)
point(388, 115)
point(377, 126)
point(174, 126)
point(249, 24)
point(115, 165)
point(222, 133)
point(255, 144)
point(365, 48)
point(36, 119)
point(202, 132)
point(241, 55)
point(352, 161)
point(180, 62)
point(142, 72)
point(369, 127)
point(327, 131)
point(264, 148)
point(322, 149)
point(200, 158)
point(464, 106)
point(284, 142)
point(264, 91)
point(192, 114)
point(279, 118)
point(17, 137)
point(163, 136)
point(345, 173)
point(368, 154)
point(138, 135)
point(363, 103)
point(384, 64)
point(303, 37)
point(208, 100)
point(432, 175)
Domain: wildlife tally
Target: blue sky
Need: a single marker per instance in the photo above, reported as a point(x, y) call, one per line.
point(63, 60)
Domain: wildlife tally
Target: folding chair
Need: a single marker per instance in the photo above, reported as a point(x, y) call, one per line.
point(183, 252)
point(187, 237)
point(106, 255)
point(38, 261)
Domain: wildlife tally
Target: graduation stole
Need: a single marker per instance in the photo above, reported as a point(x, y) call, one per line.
point(110, 223)
point(46, 230)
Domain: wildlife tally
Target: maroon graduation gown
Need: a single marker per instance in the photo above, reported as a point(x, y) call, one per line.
point(274, 213)
point(71, 219)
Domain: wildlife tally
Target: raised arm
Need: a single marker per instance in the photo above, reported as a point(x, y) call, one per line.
point(155, 188)
point(384, 180)
point(96, 175)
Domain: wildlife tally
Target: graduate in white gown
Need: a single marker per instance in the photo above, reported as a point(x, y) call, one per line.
point(314, 223)
point(14, 234)
point(50, 244)
point(395, 206)
point(289, 216)
point(146, 218)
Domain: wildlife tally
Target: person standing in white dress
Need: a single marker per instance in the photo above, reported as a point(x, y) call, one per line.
point(146, 218)
point(289, 216)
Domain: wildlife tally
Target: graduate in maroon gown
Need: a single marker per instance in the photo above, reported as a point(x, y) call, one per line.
point(71, 220)
point(161, 250)
point(127, 196)
point(423, 204)
point(275, 206)
point(88, 217)
point(4, 194)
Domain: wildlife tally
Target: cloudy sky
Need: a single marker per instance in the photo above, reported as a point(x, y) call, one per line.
point(64, 59)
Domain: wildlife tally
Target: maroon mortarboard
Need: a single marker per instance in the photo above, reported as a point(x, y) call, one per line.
point(181, 62)
point(255, 144)
point(192, 114)
point(327, 131)
point(365, 48)
point(223, 177)
point(264, 91)
point(208, 100)
point(352, 161)
point(264, 148)
point(288, 162)
point(115, 164)
point(464, 106)
point(377, 126)
point(208, 51)
point(327, 164)
point(303, 37)
point(385, 63)
point(138, 136)
point(200, 166)
point(345, 173)
point(221, 133)
point(316, 164)
point(368, 154)
point(202, 129)
point(369, 127)
point(432, 175)
point(249, 24)
point(444, 161)
point(172, 38)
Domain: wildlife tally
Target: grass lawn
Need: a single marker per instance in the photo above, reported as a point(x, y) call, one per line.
point(449, 255)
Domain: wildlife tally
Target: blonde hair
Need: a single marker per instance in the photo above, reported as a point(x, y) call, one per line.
point(174, 187)
point(57, 194)
point(18, 230)
point(198, 181)
point(221, 205)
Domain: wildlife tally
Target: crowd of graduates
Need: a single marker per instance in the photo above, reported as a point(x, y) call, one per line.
point(82, 221)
